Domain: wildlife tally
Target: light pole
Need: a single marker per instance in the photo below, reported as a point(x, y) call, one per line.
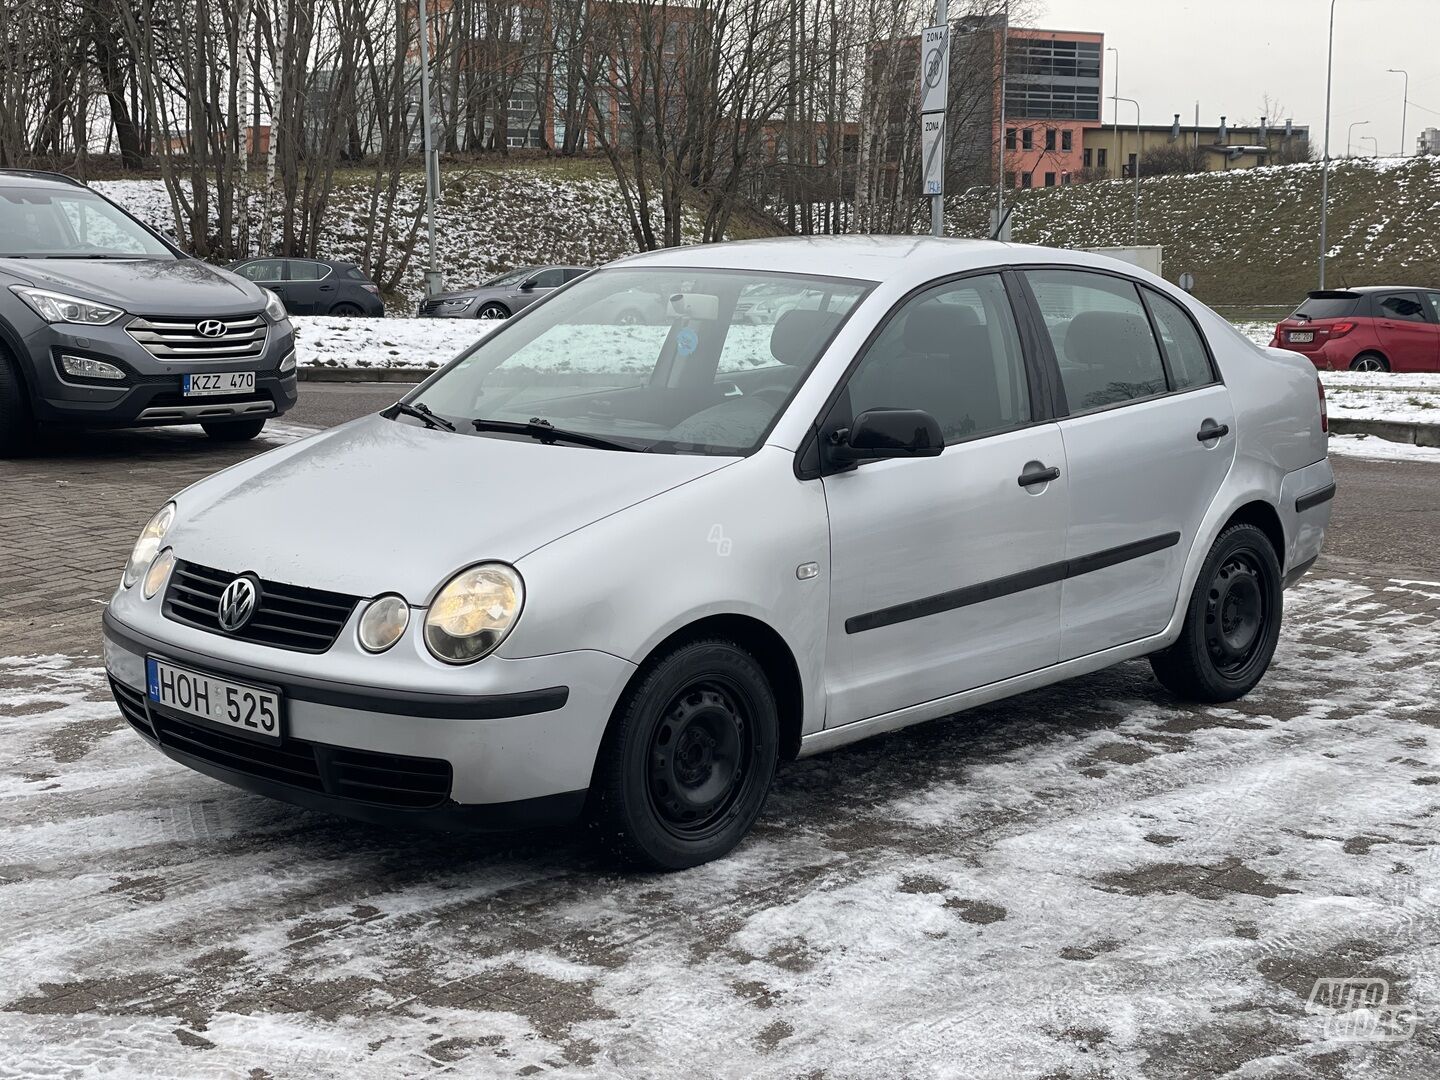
point(1132, 101)
point(1404, 105)
point(434, 284)
point(1115, 116)
point(1350, 131)
point(1325, 174)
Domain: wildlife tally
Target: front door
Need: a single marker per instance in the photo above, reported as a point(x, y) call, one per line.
point(943, 570)
point(1149, 439)
point(1408, 334)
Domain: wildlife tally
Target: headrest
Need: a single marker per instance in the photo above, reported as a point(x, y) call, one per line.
point(1098, 337)
point(933, 328)
point(799, 335)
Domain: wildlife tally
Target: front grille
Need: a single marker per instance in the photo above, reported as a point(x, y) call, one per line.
point(291, 762)
point(285, 616)
point(243, 338)
point(132, 708)
point(388, 778)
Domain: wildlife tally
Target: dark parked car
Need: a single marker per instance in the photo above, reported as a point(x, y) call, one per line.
point(315, 286)
point(501, 297)
point(105, 323)
point(1376, 328)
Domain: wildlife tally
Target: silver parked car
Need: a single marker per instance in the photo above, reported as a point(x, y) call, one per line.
point(500, 297)
point(622, 570)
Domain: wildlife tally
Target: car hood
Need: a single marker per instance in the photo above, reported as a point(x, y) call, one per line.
point(378, 505)
point(178, 287)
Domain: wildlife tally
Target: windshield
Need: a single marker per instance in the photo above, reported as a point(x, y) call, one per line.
point(672, 360)
point(514, 277)
point(40, 223)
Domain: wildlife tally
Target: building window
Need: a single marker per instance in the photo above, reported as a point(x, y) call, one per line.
point(1089, 155)
point(1049, 179)
point(1050, 139)
point(1027, 140)
point(1009, 177)
point(1027, 179)
point(1067, 141)
point(1100, 156)
point(1009, 138)
point(1064, 178)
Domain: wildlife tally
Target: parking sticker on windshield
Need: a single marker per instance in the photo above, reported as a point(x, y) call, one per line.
point(687, 341)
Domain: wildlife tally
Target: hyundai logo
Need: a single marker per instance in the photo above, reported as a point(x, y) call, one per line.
point(237, 604)
point(210, 328)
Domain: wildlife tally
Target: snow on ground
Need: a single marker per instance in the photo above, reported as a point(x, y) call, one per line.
point(327, 341)
point(1092, 880)
point(1375, 448)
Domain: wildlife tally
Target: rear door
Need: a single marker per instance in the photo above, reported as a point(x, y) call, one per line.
point(309, 287)
point(1149, 438)
point(1408, 332)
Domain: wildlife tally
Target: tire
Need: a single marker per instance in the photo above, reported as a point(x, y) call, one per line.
point(688, 758)
point(347, 310)
point(1231, 623)
point(17, 426)
point(234, 430)
point(1369, 361)
point(492, 310)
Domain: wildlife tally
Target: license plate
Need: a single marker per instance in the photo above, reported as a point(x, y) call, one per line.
point(246, 710)
point(220, 382)
point(1301, 337)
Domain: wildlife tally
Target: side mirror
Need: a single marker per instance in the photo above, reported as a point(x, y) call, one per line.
point(527, 285)
point(888, 433)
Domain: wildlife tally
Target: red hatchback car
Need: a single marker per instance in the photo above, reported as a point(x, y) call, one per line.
point(1376, 328)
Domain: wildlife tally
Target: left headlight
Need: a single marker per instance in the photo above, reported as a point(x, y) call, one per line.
point(149, 543)
point(274, 307)
point(63, 308)
point(473, 612)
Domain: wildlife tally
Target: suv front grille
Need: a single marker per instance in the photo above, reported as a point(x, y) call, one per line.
point(286, 616)
point(243, 338)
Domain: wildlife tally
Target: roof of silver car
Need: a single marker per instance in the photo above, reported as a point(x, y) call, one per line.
point(874, 258)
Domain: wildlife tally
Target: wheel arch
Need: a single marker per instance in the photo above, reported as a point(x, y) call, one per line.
point(1266, 518)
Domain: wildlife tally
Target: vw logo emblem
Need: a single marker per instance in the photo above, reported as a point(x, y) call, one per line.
point(210, 328)
point(237, 604)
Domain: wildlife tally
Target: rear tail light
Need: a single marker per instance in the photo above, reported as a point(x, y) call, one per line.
point(371, 289)
point(1340, 329)
point(1324, 415)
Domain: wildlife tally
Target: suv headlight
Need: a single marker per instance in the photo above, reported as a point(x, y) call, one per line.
point(63, 308)
point(473, 612)
point(274, 307)
point(149, 543)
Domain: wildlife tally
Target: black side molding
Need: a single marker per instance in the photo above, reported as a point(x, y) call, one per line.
point(378, 699)
point(1314, 498)
point(1011, 583)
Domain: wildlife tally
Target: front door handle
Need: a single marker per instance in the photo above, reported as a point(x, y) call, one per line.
point(1038, 475)
point(1212, 431)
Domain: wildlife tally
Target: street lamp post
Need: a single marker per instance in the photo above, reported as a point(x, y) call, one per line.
point(1115, 116)
point(1325, 174)
point(1404, 105)
point(434, 284)
point(1349, 133)
point(1138, 148)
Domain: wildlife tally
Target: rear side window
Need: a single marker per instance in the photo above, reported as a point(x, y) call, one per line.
point(1434, 300)
point(1402, 306)
point(574, 272)
point(305, 270)
point(1327, 307)
point(1101, 336)
point(1184, 350)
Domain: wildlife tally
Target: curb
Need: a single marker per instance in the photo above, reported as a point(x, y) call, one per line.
point(364, 375)
point(1393, 430)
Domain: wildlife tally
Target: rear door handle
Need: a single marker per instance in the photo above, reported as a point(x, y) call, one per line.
point(1212, 431)
point(1031, 477)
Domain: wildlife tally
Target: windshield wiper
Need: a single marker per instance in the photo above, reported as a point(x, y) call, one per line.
point(548, 433)
point(421, 412)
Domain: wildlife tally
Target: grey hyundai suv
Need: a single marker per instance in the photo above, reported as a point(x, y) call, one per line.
point(104, 323)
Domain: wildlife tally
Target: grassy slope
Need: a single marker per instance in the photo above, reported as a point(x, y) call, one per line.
point(1249, 236)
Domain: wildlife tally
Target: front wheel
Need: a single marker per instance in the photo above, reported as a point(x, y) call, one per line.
point(1232, 622)
point(492, 310)
point(688, 760)
point(17, 427)
point(234, 430)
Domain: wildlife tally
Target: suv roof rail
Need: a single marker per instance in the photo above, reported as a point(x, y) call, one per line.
point(44, 174)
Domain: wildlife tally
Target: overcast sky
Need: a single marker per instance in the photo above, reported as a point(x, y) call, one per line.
point(1229, 54)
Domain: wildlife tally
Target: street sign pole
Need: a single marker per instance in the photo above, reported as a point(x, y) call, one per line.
point(934, 89)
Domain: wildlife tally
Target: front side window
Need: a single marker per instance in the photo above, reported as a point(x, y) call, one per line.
point(550, 279)
point(40, 223)
point(1434, 301)
point(1101, 337)
point(953, 351)
point(261, 270)
point(1404, 306)
point(1185, 351)
point(700, 371)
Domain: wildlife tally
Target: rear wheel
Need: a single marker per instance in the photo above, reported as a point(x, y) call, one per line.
point(1231, 624)
point(688, 760)
point(346, 309)
point(492, 310)
point(1369, 362)
point(234, 430)
point(17, 426)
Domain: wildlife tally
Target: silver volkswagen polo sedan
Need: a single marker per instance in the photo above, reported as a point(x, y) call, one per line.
point(619, 571)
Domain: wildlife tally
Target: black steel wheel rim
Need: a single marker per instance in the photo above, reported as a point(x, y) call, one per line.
point(701, 759)
point(1237, 614)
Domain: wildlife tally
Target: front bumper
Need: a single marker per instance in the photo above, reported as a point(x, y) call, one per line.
point(151, 392)
point(516, 756)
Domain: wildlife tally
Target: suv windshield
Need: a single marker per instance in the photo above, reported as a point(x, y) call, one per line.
point(43, 223)
point(704, 376)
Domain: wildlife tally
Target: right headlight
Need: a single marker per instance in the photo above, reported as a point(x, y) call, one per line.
point(58, 307)
point(274, 307)
point(148, 546)
point(473, 612)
